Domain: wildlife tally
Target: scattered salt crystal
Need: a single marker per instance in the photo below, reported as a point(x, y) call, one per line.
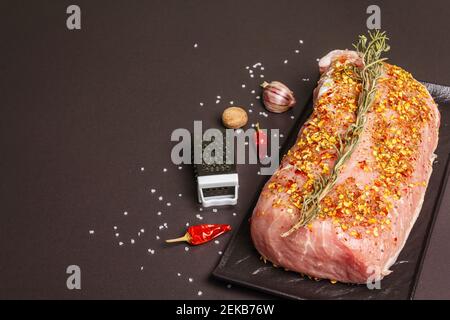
point(198, 216)
point(195, 45)
point(281, 135)
point(219, 97)
point(115, 227)
point(142, 168)
point(317, 59)
point(247, 67)
point(186, 248)
point(250, 110)
point(214, 210)
point(200, 209)
point(220, 253)
point(139, 234)
point(258, 97)
point(160, 198)
point(243, 85)
point(142, 230)
point(117, 235)
point(256, 64)
point(168, 204)
point(157, 237)
point(297, 51)
point(216, 241)
point(179, 274)
point(120, 243)
point(201, 104)
point(292, 117)
point(234, 214)
point(159, 213)
point(238, 131)
point(152, 190)
point(228, 286)
point(217, 101)
point(261, 76)
point(165, 225)
point(231, 102)
point(253, 91)
point(180, 195)
point(125, 213)
point(142, 268)
point(161, 227)
point(91, 231)
point(199, 293)
point(285, 61)
point(251, 104)
point(301, 41)
point(180, 167)
point(262, 68)
point(187, 224)
point(252, 76)
point(246, 143)
point(250, 71)
point(164, 170)
point(151, 251)
point(191, 280)
point(132, 241)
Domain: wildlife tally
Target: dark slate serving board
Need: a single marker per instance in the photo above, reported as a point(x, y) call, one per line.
point(240, 263)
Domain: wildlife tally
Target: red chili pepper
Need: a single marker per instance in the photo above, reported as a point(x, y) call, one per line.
point(261, 142)
point(202, 233)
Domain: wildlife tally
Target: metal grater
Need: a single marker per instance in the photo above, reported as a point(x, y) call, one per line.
point(217, 184)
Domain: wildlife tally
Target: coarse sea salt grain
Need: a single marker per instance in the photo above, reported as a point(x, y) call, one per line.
point(161, 227)
point(152, 190)
point(132, 241)
point(165, 170)
point(285, 61)
point(168, 204)
point(157, 237)
point(159, 213)
point(179, 274)
point(125, 213)
point(234, 214)
point(180, 167)
point(297, 51)
point(243, 85)
point(186, 248)
point(142, 168)
point(292, 117)
point(120, 243)
point(252, 76)
point(115, 227)
point(165, 225)
point(187, 224)
point(261, 76)
point(191, 280)
point(216, 241)
point(201, 104)
point(142, 230)
point(220, 253)
point(160, 198)
point(247, 67)
point(250, 110)
point(151, 251)
point(301, 41)
point(214, 210)
point(142, 268)
point(195, 45)
point(91, 231)
point(117, 234)
point(253, 91)
point(180, 195)
point(217, 101)
point(199, 293)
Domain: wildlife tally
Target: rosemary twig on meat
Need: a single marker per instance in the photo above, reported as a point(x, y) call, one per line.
point(370, 49)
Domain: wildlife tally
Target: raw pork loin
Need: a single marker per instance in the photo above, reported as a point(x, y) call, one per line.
point(365, 219)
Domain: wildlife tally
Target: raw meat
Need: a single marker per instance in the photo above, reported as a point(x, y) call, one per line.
point(365, 219)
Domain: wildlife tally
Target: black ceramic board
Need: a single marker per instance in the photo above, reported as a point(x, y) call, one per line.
point(241, 264)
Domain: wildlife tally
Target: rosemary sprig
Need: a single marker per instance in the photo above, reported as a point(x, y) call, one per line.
point(370, 50)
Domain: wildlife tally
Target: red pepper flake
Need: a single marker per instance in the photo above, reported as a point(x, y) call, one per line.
point(202, 233)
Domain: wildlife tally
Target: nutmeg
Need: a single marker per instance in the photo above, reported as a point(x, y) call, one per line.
point(234, 117)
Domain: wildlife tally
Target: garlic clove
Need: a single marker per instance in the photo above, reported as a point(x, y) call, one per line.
point(277, 97)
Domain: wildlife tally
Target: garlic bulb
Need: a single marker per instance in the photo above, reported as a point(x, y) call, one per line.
point(277, 97)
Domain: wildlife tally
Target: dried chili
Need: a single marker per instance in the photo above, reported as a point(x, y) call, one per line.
point(202, 233)
point(260, 138)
